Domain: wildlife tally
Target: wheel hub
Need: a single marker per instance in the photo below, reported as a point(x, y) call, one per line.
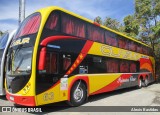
point(78, 94)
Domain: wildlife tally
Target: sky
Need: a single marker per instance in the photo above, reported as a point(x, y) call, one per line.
point(116, 9)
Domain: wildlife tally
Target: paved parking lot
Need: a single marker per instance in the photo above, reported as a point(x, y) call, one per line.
point(148, 96)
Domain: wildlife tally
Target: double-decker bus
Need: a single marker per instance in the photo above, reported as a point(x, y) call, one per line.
point(57, 55)
point(4, 44)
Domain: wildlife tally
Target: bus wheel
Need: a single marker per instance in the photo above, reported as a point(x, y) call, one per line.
point(78, 94)
point(146, 82)
point(140, 83)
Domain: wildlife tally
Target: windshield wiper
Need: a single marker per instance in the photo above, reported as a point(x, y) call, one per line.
point(19, 64)
point(27, 70)
point(17, 50)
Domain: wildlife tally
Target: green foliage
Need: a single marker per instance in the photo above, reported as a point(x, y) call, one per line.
point(144, 23)
point(112, 23)
point(156, 29)
point(147, 13)
point(131, 26)
point(98, 20)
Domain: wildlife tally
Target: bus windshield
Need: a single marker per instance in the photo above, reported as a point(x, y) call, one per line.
point(29, 26)
point(19, 61)
point(20, 54)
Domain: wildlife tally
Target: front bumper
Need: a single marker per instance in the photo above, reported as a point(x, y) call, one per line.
point(21, 100)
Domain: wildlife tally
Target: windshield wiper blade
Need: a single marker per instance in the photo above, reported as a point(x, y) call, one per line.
point(19, 64)
point(28, 71)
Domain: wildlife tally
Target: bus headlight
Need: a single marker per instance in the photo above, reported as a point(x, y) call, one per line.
point(26, 88)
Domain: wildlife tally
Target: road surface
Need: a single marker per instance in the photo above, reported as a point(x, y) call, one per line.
point(147, 96)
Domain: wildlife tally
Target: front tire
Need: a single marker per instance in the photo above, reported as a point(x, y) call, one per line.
point(78, 94)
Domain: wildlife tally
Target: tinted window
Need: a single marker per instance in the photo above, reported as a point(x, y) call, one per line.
point(95, 33)
point(124, 67)
point(29, 26)
point(110, 38)
point(66, 62)
point(73, 26)
point(133, 67)
point(122, 42)
point(112, 66)
point(132, 46)
point(145, 50)
point(51, 63)
point(139, 48)
point(52, 22)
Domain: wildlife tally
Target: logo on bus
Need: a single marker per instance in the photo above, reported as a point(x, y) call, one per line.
point(20, 41)
point(119, 53)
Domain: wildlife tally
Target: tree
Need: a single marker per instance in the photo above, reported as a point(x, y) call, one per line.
point(144, 23)
point(131, 26)
point(98, 20)
point(147, 13)
point(112, 23)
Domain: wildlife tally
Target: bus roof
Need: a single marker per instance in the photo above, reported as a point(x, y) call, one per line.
point(52, 8)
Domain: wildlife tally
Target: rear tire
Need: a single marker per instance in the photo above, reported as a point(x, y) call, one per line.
point(146, 82)
point(78, 94)
point(140, 83)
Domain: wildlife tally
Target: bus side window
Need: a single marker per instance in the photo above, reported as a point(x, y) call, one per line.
point(51, 63)
point(73, 26)
point(112, 66)
point(132, 46)
point(111, 38)
point(52, 22)
point(66, 63)
point(124, 67)
point(133, 67)
point(139, 48)
point(95, 33)
point(122, 43)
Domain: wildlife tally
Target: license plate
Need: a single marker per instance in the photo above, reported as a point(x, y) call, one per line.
point(11, 98)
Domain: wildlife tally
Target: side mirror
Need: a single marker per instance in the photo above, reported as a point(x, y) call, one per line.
point(42, 59)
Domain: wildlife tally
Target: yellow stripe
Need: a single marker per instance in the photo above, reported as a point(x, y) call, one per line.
point(109, 51)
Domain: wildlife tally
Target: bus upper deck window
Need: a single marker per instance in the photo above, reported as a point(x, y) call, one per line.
point(122, 43)
point(132, 46)
point(73, 26)
point(52, 21)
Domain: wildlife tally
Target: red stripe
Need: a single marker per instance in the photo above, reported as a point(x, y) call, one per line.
point(87, 47)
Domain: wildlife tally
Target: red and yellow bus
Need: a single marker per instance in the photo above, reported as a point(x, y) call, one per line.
point(57, 55)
